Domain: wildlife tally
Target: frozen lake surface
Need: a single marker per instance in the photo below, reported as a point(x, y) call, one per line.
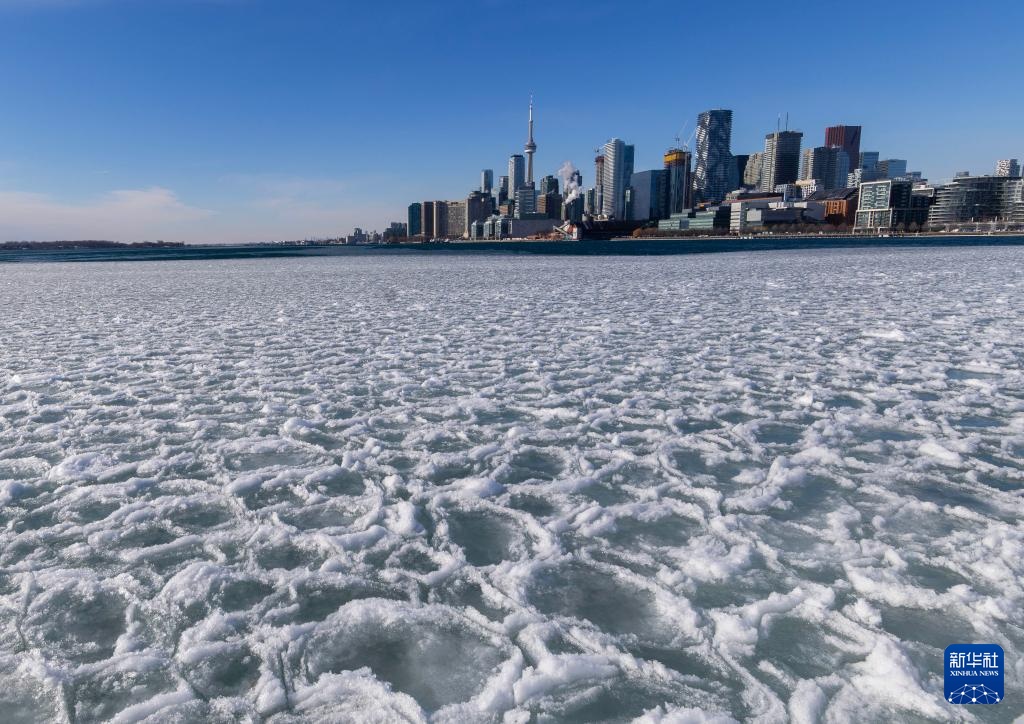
point(759, 487)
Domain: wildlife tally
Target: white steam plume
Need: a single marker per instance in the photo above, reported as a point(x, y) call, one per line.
point(569, 183)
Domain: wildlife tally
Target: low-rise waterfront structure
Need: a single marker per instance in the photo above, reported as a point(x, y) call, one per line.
point(840, 205)
point(889, 204)
point(979, 199)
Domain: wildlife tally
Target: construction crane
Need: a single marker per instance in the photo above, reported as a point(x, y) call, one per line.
point(679, 143)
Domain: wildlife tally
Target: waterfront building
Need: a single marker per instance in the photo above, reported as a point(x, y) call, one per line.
point(487, 181)
point(848, 139)
point(427, 219)
point(415, 220)
point(650, 195)
point(763, 210)
point(675, 222)
point(496, 227)
point(704, 220)
point(479, 206)
point(889, 204)
point(969, 199)
point(840, 205)
point(739, 218)
point(781, 161)
point(487, 230)
point(525, 228)
point(455, 220)
point(680, 179)
point(504, 227)
point(877, 202)
point(714, 217)
point(1007, 167)
point(752, 171)
point(440, 224)
point(785, 212)
point(618, 170)
point(927, 193)
point(714, 171)
point(516, 173)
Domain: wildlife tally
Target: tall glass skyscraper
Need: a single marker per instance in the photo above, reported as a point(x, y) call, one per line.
point(677, 163)
point(427, 219)
point(598, 200)
point(781, 161)
point(714, 172)
point(415, 222)
point(618, 170)
point(828, 165)
point(848, 139)
point(516, 173)
point(892, 168)
point(868, 161)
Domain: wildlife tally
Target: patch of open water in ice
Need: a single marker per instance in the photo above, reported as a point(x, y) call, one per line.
point(758, 486)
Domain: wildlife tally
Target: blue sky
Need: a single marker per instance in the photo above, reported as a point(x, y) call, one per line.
point(234, 120)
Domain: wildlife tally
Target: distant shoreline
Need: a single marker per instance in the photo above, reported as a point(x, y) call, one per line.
point(643, 246)
point(87, 244)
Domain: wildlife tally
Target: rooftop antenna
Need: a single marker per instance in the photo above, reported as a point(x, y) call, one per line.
point(787, 121)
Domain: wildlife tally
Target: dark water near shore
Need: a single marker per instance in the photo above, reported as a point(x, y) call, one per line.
point(642, 247)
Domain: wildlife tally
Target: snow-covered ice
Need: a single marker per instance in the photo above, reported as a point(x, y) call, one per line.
point(744, 487)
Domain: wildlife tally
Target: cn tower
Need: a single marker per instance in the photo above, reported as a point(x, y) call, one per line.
point(530, 149)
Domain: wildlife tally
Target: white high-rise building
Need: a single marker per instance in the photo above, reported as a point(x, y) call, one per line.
point(617, 171)
point(516, 173)
point(714, 174)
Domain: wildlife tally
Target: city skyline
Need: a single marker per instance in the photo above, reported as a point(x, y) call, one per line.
point(202, 122)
